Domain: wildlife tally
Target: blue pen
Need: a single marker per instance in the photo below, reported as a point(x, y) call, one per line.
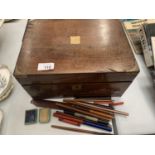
point(107, 128)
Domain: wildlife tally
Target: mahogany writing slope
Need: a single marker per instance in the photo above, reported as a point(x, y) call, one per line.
point(92, 58)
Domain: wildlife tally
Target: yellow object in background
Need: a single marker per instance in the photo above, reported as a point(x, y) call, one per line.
point(44, 115)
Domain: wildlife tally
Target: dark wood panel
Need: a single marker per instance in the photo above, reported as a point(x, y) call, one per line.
point(77, 90)
point(76, 78)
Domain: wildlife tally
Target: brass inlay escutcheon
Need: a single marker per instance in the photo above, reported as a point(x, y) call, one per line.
point(76, 87)
point(75, 40)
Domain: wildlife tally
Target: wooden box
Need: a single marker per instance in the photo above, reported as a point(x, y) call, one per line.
point(92, 59)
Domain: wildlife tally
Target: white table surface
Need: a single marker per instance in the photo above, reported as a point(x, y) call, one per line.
point(139, 98)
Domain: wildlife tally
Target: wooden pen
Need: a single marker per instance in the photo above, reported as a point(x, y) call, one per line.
point(101, 109)
point(81, 111)
point(79, 130)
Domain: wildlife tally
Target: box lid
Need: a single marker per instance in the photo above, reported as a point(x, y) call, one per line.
point(83, 47)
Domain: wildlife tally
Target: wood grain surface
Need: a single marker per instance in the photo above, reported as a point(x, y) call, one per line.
point(83, 51)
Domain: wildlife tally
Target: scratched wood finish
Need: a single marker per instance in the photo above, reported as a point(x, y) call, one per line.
point(77, 90)
point(101, 65)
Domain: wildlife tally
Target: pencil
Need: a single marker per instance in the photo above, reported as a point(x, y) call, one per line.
point(108, 103)
point(79, 130)
point(81, 111)
point(87, 106)
point(101, 113)
point(103, 101)
point(101, 109)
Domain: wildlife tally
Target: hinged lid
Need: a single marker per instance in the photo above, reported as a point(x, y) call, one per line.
point(79, 49)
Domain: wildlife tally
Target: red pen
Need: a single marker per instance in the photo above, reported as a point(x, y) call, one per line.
point(67, 116)
point(69, 121)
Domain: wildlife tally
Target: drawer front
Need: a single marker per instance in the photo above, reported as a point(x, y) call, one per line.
point(77, 90)
point(80, 78)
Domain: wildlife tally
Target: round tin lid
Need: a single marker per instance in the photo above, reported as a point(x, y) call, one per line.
point(5, 82)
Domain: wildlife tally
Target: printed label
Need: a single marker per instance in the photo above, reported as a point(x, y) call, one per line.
point(45, 66)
